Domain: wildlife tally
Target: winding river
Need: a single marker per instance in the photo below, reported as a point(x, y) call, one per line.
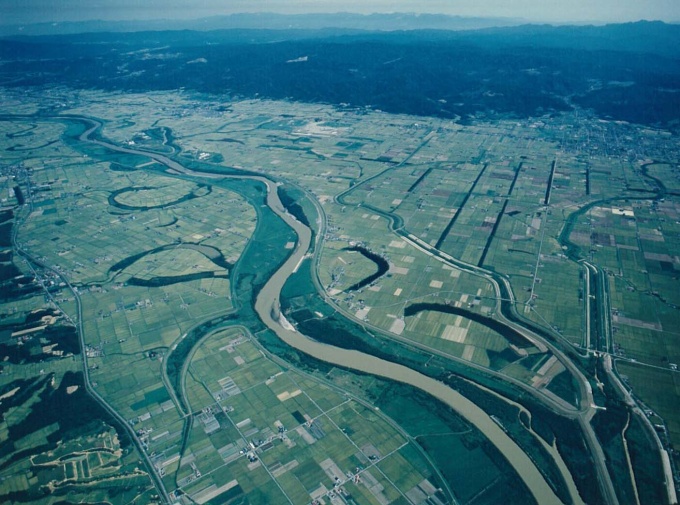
point(267, 307)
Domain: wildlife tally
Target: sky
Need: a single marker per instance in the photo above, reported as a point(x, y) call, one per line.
point(556, 11)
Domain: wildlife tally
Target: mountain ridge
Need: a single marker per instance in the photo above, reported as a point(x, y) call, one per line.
point(625, 72)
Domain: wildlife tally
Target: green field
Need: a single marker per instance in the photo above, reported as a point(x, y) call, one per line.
point(159, 270)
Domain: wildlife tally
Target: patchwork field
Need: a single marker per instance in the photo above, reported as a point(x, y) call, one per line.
point(441, 239)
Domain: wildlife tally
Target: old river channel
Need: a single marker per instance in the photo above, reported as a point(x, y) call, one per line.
point(267, 307)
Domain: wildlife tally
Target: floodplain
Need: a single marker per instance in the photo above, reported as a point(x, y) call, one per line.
point(419, 224)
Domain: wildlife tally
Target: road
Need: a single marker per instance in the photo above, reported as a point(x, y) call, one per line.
point(267, 306)
point(153, 473)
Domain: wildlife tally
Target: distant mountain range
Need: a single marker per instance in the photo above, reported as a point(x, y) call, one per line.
point(624, 71)
point(271, 21)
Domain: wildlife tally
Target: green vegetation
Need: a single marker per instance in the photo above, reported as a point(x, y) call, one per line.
point(609, 427)
point(165, 262)
point(564, 386)
point(648, 471)
point(472, 468)
point(291, 204)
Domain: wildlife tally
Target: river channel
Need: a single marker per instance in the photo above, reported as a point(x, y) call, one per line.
point(267, 307)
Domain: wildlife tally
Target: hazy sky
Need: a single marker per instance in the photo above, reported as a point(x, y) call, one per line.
point(27, 11)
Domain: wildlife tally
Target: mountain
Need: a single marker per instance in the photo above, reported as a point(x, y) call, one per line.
point(625, 72)
point(641, 37)
point(269, 21)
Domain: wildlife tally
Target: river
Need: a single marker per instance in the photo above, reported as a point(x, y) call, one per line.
point(267, 307)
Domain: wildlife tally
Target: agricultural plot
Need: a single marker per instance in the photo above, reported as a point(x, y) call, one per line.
point(144, 229)
point(151, 254)
point(176, 249)
point(57, 443)
point(659, 390)
point(147, 267)
point(138, 249)
point(634, 243)
point(521, 238)
point(262, 427)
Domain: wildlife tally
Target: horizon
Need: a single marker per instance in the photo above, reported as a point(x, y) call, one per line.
point(28, 12)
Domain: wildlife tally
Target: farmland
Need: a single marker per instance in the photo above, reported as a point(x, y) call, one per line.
point(530, 265)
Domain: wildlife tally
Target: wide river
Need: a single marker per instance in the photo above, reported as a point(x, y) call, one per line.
point(267, 307)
